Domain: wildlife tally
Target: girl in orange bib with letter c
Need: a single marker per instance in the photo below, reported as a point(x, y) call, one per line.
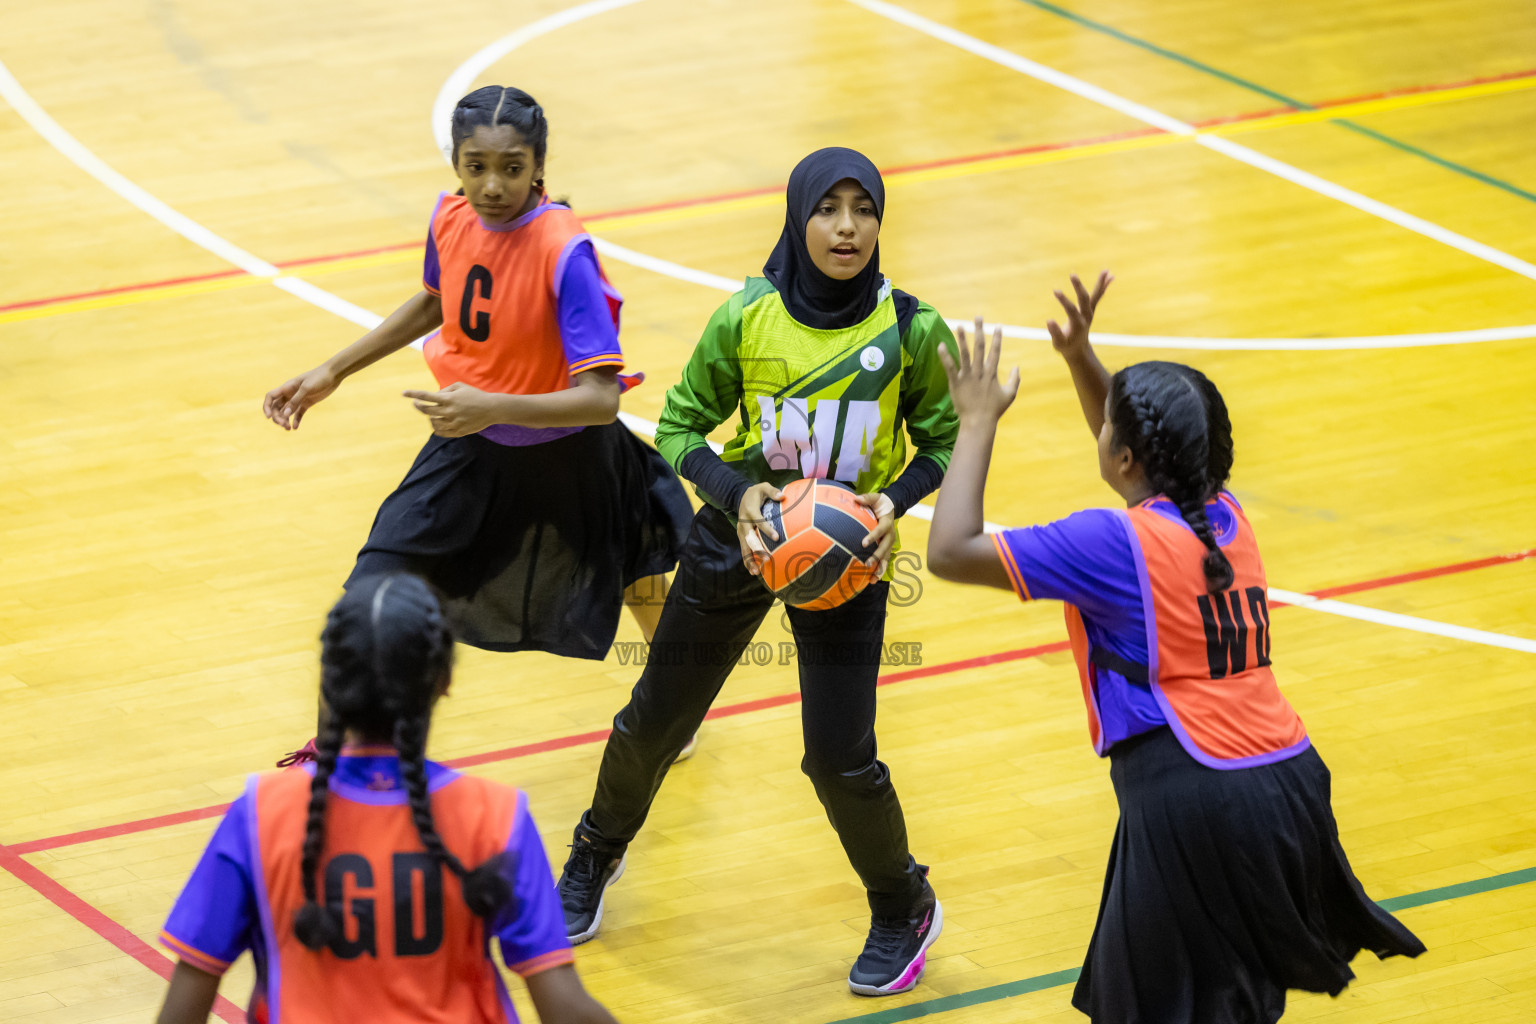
point(533, 510)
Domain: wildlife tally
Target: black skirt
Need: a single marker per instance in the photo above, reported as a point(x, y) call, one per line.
point(1224, 889)
point(533, 545)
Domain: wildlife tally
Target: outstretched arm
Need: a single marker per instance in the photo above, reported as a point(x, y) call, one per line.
point(958, 549)
point(286, 404)
point(1088, 374)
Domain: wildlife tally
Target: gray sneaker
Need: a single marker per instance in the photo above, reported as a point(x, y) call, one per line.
point(897, 949)
point(588, 873)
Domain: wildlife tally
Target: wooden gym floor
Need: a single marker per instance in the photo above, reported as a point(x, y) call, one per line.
point(200, 200)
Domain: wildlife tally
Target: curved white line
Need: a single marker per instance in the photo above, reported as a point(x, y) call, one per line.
point(1226, 147)
point(728, 284)
point(1287, 344)
point(459, 81)
point(667, 268)
point(90, 163)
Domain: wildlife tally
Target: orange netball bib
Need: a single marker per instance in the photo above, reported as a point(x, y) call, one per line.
point(1208, 664)
point(408, 939)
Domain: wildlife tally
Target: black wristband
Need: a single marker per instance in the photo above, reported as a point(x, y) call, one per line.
point(920, 479)
point(723, 486)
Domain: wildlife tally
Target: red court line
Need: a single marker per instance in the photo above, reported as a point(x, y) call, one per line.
point(141, 951)
point(103, 925)
point(594, 218)
point(110, 831)
point(1425, 574)
point(100, 292)
point(1409, 90)
point(336, 257)
point(730, 710)
point(508, 753)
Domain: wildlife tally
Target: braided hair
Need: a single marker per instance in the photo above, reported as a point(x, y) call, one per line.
point(1175, 423)
point(385, 651)
point(495, 105)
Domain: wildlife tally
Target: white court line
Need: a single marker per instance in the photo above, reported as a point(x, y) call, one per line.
point(65, 143)
point(463, 76)
point(457, 85)
point(1226, 147)
point(1410, 622)
point(71, 148)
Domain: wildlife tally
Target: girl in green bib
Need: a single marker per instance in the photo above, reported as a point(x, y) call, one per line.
point(831, 372)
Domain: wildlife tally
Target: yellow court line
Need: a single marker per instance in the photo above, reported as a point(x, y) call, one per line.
point(221, 284)
point(1093, 149)
point(917, 176)
point(1376, 106)
point(170, 291)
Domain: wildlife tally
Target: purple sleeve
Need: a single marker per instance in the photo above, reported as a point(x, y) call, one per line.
point(1085, 560)
point(431, 269)
point(532, 933)
point(583, 309)
point(214, 919)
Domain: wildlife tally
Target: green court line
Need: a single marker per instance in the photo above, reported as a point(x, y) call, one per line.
point(1460, 889)
point(929, 1007)
point(1290, 101)
point(992, 993)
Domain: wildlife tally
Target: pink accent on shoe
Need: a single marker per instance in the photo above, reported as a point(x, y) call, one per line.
point(927, 920)
point(910, 975)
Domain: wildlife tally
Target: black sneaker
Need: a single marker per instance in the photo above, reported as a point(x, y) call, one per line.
point(587, 875)
point(897, 949)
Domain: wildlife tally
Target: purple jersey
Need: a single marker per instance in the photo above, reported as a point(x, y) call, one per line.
point(217, 916)
point(1086, 560)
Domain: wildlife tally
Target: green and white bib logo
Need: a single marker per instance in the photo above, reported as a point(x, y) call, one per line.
point(872, 358)
point(803, 437)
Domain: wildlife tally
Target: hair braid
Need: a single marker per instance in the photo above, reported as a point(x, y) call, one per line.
point(314, 924)
point(485, 890)
point(1218, 570)
point(386, 653)
point(1218, 432)
point(1183, 441)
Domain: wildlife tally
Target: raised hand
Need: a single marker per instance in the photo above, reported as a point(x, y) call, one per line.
point(973, 385)
point(1079, 316)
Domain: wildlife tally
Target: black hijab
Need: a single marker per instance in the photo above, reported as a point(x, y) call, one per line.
point(813, 298)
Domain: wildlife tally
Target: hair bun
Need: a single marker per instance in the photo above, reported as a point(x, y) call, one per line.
point(316, 926)
point(1218, 571)
point(486, 890)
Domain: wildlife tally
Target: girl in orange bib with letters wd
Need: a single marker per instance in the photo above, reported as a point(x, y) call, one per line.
point(1227, 884)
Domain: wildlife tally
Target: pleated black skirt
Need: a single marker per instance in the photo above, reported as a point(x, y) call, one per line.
point(1224, 889)
point(533, 545)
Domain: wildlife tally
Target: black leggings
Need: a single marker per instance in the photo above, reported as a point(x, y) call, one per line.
point(714, 608)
